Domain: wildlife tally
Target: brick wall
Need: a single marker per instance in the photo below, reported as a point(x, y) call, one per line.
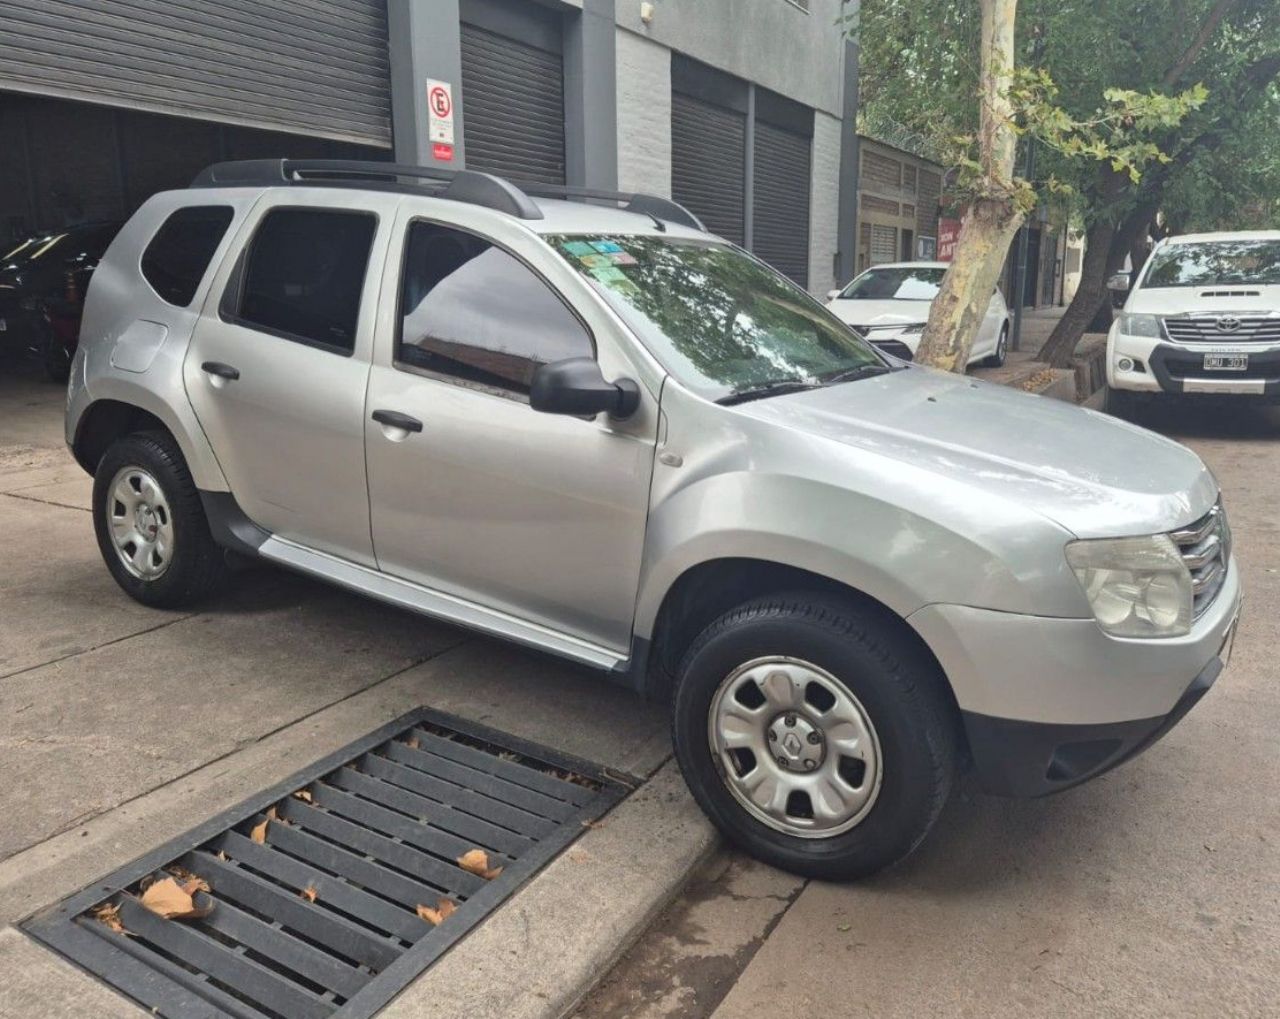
point(644, 115)
point(824, 203)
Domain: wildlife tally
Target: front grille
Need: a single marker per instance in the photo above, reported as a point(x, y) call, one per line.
point(1206, 549)
point(1223, 328)
point(321, 891)
point(895, 347)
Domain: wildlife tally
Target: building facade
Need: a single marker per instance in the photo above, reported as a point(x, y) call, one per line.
point(898, 196)
point(742, 111)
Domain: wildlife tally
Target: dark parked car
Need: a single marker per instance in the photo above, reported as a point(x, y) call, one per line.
point(42, 284)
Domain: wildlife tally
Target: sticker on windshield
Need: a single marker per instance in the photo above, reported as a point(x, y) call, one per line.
point(608, 274)
point(622, 258)
point(595, 261)
point(606, 247)
point(579, 248)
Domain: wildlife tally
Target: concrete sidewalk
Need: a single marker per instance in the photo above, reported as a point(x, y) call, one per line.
point(122, 727)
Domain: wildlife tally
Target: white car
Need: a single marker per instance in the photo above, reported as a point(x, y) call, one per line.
point(889, 305)
point(1203, 317)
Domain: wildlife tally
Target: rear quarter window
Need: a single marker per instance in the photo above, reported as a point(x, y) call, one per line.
point(179, 254)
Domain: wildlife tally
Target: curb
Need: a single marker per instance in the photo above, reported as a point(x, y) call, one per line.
point(538, 955)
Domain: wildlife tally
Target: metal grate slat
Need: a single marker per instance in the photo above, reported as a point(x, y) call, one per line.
point(316, 913)
point(445, 877)
point(468, 801)
point(450, 820)
point(536, 803)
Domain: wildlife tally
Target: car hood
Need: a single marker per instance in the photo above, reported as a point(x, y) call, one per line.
point(1182, 300)
point(857, 313)
point(1094, 475)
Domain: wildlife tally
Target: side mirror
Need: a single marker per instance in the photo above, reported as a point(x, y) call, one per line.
point(1120, 281)
point(576, 386)
point(832, 294)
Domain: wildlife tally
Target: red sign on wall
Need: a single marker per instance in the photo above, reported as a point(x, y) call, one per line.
point(948, 234)
point(442, 152)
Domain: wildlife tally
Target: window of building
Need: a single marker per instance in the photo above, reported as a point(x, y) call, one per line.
point(304, 273)
point(179, 254)
point(473, 312)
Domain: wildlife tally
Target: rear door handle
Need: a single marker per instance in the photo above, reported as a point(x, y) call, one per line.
point(394, 419)
point(223, 371)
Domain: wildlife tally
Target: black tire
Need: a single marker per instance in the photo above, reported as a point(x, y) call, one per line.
point(57, 362)
point(197, 568)
point(997, 359)
point(898, 685)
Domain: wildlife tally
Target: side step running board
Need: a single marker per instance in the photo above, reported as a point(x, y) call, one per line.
point(436, 603)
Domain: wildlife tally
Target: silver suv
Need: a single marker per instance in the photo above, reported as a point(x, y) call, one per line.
point(578, 421)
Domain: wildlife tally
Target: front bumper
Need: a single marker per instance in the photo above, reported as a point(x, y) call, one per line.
point(1028, 759)
point(1048, 703)
point(1163, 367)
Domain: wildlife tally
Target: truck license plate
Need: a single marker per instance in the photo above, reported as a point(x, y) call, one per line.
point(1226, 362)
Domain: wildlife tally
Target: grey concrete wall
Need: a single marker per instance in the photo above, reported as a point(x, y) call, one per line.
point(424, 42)
point(771, 42)
point(824, 203)
point(644, 115)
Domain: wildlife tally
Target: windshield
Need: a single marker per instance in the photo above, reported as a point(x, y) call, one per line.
point(716, 318)
point(1215, 264)
point(896, 283)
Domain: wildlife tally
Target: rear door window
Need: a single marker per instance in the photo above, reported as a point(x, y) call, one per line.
point(302, 276)
point(179, 254)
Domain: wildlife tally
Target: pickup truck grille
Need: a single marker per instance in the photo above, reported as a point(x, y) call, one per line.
point(1206, 549)
point(1223, 328)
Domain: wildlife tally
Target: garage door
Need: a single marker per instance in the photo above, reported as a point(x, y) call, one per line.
point(884, 244)
point(318, 68)
point(513, 93)
point(781, 201)
point(708, 163)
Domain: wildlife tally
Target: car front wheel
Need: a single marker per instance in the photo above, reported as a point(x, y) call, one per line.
point(150, 524)
point(816, 734)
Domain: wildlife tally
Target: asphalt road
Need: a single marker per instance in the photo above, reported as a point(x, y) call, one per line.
point(1153, 891)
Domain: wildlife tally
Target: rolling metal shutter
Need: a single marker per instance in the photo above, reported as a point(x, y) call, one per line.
point(512, 106)
point(780, 205)
point(708, 164)
point(318, 68)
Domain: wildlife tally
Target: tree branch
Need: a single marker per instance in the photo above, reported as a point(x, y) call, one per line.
point(1220, 11)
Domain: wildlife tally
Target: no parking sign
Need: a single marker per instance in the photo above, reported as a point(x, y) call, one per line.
point(440, 118)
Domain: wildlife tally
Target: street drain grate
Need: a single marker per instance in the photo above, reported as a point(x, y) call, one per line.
point(320, 918)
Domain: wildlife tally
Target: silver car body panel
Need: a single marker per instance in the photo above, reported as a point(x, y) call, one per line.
point(948, 500)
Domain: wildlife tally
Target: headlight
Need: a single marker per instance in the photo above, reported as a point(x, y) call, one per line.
point(1140, 325)
point(912, 328)
point(1137, 587)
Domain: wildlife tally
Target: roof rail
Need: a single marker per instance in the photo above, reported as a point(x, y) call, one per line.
point(645, 205)
point(459, 185)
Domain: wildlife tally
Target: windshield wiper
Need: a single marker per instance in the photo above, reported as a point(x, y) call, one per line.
point(774, 388)
point(862, 371)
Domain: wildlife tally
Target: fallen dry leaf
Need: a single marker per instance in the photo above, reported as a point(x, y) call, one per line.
point(476, 861)
point(222, 855)
point(308, 893)
point(259, 833)
point(445, 908)
point(412, 742)
point(593, 824)
point(173, 901)
point(109, 915)
point(304, 796)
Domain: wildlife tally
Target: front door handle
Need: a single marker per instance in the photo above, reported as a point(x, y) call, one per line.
point(223, 371)
point(394, 419)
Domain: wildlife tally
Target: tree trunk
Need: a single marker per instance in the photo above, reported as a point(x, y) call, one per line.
point(990, 222)
point(1105, 251)
point(1092, 291)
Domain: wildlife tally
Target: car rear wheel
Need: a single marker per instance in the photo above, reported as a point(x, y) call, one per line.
point(1002, 349)
point(816, 735)
point(150, 524)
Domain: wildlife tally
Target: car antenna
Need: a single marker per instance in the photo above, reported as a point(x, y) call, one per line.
point(662, 227)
